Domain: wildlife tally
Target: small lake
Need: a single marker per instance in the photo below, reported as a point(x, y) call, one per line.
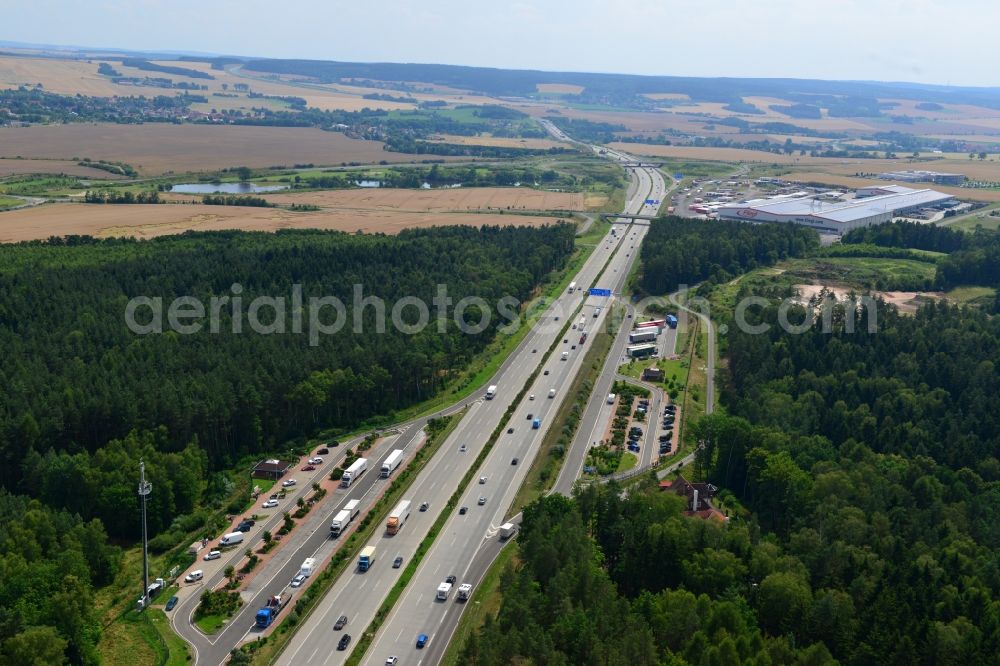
point(225, 188)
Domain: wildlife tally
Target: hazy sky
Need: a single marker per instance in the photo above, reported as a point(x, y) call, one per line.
point(888, 40)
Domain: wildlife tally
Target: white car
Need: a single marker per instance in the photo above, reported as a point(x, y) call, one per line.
point(213, 555)
point(463, 448)
point(269, 504)
point(298, 580)
point(316, 461)
point(287, 483)
point(531, 397)
point(482, 479)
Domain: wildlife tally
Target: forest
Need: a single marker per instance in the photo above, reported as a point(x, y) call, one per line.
point(680, 251)
point(83, 398)
point(858, 468)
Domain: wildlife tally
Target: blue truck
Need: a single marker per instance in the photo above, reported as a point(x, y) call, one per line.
point(671, 321)
point(274, 606)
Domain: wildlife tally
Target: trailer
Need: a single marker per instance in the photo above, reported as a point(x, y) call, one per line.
point(658, 323)
point(390, 464)
point(641, 351)
point(398, 517)
point(345, 517)
point(352, 473)
point(367, 558)
point(643, 335)
point(270, 611)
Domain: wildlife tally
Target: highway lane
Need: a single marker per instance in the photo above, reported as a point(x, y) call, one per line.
point(456, 548)
point(359, 595)
point(310, 539)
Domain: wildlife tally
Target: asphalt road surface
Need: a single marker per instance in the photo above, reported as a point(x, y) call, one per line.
point(462, 546)
point(358, 595)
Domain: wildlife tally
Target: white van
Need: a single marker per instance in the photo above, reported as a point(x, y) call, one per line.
point(194, 576)
point(231, 539)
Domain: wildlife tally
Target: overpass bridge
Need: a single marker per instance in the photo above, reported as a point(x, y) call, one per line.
point(641, 165)
point(611, 217)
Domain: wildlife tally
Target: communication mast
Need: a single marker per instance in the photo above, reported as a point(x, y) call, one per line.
point(144, 489)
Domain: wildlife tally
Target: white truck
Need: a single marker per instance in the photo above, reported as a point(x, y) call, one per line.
point(572, 287)
point(398, 517)
point(308, 566)
point(345, 517)
point(444, 589)
point(231, 539)
point(353, 472)
point(507, 531)
point(391, 463)
point(464, 592)
point(491, 392)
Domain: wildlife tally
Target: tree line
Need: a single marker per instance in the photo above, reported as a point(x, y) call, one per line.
point(685, 251)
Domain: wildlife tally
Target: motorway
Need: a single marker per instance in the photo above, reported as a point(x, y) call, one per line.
point(358, 595)
point(468, 543)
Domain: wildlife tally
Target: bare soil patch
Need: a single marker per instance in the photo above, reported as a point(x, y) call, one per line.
point(148, 221)
point(160, 148)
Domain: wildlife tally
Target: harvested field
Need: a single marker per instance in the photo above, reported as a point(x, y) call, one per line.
point(160, 220)
point(503, 142)
point(906, 301)
point(718, 154)
point(13, 167)
point(160, 148)
point(457, 199)
point(559, 88)
point(838, 180)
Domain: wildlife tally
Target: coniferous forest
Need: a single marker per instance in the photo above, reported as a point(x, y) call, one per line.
point(860, 473)
point(82, 397)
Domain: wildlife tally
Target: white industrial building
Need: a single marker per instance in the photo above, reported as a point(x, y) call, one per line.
point(881, 204)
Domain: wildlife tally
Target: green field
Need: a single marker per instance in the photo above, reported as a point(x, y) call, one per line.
point(9, 202)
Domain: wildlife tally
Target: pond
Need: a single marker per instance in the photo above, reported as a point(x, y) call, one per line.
point(225, 188)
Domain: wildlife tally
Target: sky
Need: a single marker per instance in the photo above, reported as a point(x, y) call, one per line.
point(885, 40)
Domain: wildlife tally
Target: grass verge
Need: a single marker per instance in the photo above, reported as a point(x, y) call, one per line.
point(485, 602)
point(266, 651)
point(545, 467)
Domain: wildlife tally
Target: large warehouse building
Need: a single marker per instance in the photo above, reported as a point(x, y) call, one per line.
point(836, 216)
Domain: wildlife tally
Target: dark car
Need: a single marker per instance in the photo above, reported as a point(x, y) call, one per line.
point(573, 347)
point(341, 623)
point(309, 468)
point(450, 579)
point(546, 372)
point(333, 443)
point(323, 451)
point(423, 506)
point(421, 641)
point(510, 430)
point(464, 510)
point(513, 461)
point(398, 562)
point(345, 640)
point(171, 603)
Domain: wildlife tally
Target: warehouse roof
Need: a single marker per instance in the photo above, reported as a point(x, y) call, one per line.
point(845, 211)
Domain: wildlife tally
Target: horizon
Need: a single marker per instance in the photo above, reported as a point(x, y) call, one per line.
point(530, 35)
